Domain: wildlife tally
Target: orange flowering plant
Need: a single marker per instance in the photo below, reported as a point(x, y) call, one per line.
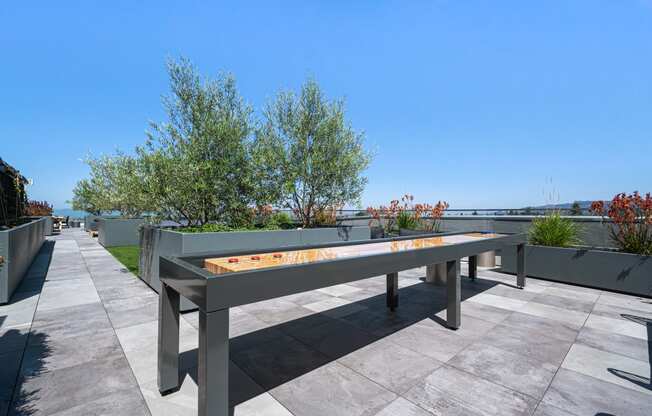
point(385, 216)
point(408, 215)
point(631, 221)
point(433, 215)
point(38, 209)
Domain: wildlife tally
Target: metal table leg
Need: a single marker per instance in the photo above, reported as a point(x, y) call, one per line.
point(213, 369)
point(168, 340)
point(473, 267)
point(392, 291)
point(454, 290)
point(520, 266)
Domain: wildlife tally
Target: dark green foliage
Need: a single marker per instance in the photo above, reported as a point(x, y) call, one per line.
point(554, 231)
point(406, 220)
point(280, 220)
point(219, 227)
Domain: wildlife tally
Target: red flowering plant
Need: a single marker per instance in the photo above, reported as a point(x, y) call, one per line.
point(433, 216)
point(385, 216)
point(630, 227)
point(38, 209)
point(327, 216)
point(408, 215)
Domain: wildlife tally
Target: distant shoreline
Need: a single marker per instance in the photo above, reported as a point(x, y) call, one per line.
point(67, 212)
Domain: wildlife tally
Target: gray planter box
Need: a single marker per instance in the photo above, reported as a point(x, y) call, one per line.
point(112, 232)
point(18, 247)
point(90, 222)
point(377, 232)
point(49, 225)
point(155, 242)
point(610, 270)
point(406, 232)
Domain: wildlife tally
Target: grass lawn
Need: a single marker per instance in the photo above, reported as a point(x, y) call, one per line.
point(128, 256)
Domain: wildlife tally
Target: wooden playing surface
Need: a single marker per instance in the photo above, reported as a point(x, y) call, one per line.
point(220, 265)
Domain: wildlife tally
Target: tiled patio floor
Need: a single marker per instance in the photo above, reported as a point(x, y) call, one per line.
point(85, 344)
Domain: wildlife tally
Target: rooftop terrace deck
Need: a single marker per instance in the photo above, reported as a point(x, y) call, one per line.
point(80, 338)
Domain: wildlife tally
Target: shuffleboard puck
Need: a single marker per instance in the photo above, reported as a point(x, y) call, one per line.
point(233, 260)
point(278, 255)
point(255, 257)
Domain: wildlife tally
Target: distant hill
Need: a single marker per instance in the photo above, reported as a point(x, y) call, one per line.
point(566, 205)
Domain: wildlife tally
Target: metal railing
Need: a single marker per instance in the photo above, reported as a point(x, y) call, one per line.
point(582, 211)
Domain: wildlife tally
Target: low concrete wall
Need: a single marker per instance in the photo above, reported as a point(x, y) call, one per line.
point(113, 232)
point(610, 270)
point(155, 242)
point(49, 225)
point(90, 222)
point(18, 247)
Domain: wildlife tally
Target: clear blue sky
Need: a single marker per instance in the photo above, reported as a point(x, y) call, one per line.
point(475, 102)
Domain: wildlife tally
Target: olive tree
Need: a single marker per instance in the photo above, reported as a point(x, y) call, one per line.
point(196, 165)
point(86, 198)
point(115, 185)
point(306, 155)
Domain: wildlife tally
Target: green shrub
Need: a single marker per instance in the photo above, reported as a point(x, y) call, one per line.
point(220, 227)
point(554, 231)
point(406, 220)
point(280, 220)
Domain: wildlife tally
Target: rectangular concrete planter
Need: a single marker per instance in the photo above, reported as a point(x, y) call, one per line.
point(406, 232)
point(90, 222)
point(155, 242)
point(610, 270)
point(18, 247)
point(112, 232)
point(49, 225)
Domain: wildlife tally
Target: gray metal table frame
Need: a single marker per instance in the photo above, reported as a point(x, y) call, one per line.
point(215, 294)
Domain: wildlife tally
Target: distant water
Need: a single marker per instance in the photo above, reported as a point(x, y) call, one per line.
point(67, 212)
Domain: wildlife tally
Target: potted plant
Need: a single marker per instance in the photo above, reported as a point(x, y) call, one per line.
point(554, 252)
point(383, 219)
point(406, 219)
point(420, 218)
point(630, 225)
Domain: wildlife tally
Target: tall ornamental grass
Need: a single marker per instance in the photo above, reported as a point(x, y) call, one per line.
point(554, 231)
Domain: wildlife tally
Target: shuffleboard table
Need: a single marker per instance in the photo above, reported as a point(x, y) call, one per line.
point(217, 282)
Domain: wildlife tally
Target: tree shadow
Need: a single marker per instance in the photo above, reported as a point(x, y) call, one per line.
point(24, 401)
point(274, 355)
point(15, 341)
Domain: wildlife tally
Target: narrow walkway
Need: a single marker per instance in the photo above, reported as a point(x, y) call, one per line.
point(60, 353)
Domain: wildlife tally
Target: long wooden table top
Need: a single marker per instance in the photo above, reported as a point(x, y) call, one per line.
point(221, 265)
